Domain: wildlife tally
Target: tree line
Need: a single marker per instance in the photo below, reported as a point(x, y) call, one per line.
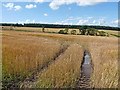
point(87, 31)
point(59, 26)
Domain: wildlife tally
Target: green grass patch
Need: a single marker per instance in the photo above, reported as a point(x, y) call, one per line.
point(115, 35)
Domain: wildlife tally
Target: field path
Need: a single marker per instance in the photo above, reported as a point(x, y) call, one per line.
point(31, 81)
point(86, 70)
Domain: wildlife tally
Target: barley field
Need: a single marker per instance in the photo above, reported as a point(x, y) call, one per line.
point(24, 55)
point(65, 71)
point(105, 61)
point(33, 29)
point(54, 60)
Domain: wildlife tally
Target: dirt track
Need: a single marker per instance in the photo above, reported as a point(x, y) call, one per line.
point(31, 81)
point(86, 70)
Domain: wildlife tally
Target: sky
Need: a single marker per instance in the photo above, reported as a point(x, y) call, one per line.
point(72, 12)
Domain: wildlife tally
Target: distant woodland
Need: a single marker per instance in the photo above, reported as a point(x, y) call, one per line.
point(59, 26)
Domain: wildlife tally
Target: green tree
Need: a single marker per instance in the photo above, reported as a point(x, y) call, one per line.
point(74, 32)
point(43, 29)
point(92, 31)
point(61, 32)
point(83, 30)
point(11, 27)
point(102, 33)
point(66, 30)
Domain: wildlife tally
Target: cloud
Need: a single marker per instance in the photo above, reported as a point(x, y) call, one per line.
point(71, 19)
point(17, 7)
point(55, 4)
point(101, 21)
point(78, 20)
point(39, 1)
point(90, 17)
point(27, 21)
point(9, 5)
point(67, 23)
point(94, 22)
point(30, 6)
point(12, 6)
point(30, 21)
point(83, 22)
point(115, 21)
point(89, 2)
point(45, 14)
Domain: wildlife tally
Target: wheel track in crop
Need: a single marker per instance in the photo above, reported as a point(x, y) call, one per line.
point(30, 81)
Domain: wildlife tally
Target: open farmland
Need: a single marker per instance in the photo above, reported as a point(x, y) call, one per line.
point(105, 60)
point(42, 60)
point(23, 56)
point(65, 71)
point(35, 29)
point(112, 33)
point(60, 44)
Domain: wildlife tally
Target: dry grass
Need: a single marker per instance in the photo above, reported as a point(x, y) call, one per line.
point(35, 29)
point(52, 30)
point(65, 71)
point(104, 53)
point(105, 61)
point(22, 55)
point(32, 29)
point(22, 28)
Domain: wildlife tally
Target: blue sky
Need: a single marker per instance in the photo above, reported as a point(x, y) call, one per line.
point(77, 13)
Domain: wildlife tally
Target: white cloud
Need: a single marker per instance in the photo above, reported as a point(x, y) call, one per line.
point(101, 21)
point(90, 17)
point(45, 14)
point(94, 22)
point(33, 21)
point(30, 6)
point(30, 21)
point(71, 19)
point(9, 5)
point(115, 21)
point(27, 21)
point(77, 20)
point(89, 2)
point(83, 22)
point(12, 6)
point(57, 23)
point(66, 23)
point(39, 1)
point(17, 7)
point(56, 3)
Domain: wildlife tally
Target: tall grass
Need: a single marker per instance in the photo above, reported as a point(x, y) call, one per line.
point(23, 52)
point(105, 61)
point(24, 55)
point(65, 71)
